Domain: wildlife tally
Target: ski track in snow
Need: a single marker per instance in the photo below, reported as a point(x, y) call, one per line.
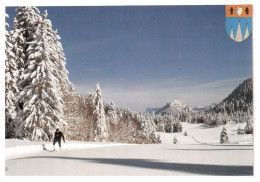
point(21, 150)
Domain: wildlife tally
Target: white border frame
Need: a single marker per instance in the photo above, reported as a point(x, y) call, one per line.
point(256, 73)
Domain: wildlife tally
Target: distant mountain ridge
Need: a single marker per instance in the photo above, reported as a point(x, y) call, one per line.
point(152, 109)
point(204, 108)
point(174, 107)
point(241, 99)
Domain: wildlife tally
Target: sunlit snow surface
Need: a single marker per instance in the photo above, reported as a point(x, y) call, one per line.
point(199, 153)
point(17, 148)
point(197, 134)
point(205, 134)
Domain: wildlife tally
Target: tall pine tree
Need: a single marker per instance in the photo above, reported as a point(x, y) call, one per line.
point(40, 97)
point(100, 128)
point(11, 90)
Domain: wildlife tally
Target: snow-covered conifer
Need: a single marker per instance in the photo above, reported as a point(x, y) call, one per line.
point(175, 141)
point(39, 84)
point(56, 54)
point(148, 131)
point(100, 128)
point(224, 136)
point(11, 90)
point(168, 120)
point(158, 120)
point(111, 113)
point(185, 133)
point(25, 25)
point(249, 127)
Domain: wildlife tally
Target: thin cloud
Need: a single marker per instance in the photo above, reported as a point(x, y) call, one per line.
point(157, 93)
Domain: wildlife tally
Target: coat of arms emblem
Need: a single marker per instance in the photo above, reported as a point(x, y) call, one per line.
point(239, 21)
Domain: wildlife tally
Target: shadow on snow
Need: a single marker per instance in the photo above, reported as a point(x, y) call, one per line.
point(209, 149)
point(205, 169)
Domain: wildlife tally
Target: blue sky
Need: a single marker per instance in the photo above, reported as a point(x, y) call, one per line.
point(145, 56)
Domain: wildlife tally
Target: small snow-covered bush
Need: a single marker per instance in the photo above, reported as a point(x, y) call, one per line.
point(240, 131)
point(185, 133)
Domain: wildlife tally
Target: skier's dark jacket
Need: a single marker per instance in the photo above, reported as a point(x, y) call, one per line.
point(58, 135)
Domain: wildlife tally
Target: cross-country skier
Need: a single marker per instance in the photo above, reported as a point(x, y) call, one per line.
point(57, 138)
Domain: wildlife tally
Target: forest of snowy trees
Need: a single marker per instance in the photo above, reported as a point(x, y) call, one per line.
point(35, 76)
point(89, 119)
point(237, 107)
point(40, 98)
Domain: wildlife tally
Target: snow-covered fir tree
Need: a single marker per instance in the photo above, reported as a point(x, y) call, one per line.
point(249, 127)
point(111, 113)
point(224, 136)
point(168, 120)
point(112, 118)
point(40, 97)
point(11, 90)
point(159, 123)
point(172, 123)
point(147, 129)
point(56, 54)
point(100, 128)
point(175, 141)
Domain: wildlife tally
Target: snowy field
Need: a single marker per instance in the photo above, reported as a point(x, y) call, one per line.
point(204, 134)
point(17, 148)
point(188, 157)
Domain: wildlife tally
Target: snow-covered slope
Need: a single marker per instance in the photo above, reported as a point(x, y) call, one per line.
point(204, 134)
point(174, 107)
point(241, 99)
